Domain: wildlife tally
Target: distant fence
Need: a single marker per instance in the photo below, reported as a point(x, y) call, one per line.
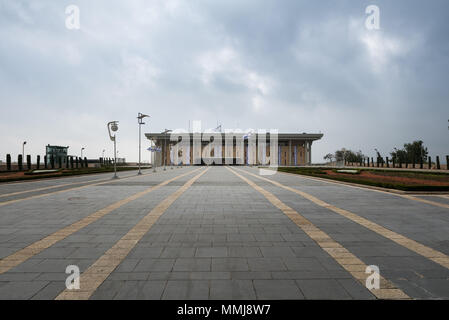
point(394, 163)
point(69, 162)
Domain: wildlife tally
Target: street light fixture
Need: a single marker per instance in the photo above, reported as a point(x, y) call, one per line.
point(23, 150)
point(140, 117)
point(113, 125)
point(165, 147)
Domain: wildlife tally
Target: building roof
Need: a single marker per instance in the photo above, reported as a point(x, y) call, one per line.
point(281, 136)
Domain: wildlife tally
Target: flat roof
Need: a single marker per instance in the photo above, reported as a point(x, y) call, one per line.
point(281, 136)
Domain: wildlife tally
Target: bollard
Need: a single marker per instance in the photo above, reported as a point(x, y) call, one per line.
point(29, 162)
point(19, 162)
point(368, 161)
point(430, 162)
point(438, 163)
point(38, 162)
point(86, 164)
point(372, 162)
point(421, 163)
point(8, 162)
point(388, 164)
point(393, 162)
point(447, 162)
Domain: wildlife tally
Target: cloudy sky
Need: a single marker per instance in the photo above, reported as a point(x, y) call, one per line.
point(298, 66)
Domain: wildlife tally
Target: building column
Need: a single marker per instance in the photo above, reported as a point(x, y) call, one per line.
point(306, 153)
point(290, 152)
point(310, 152)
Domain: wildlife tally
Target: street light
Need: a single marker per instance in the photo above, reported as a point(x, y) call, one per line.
point(23, 150)
point(165, 147)
point(113, 125)
point(82, 152)
point(140, 117)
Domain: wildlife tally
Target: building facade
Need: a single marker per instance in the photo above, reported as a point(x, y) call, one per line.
point(292, 149)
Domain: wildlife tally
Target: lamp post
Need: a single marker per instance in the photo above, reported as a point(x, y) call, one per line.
point(114, 127)
point(140, 117)
point(153, 161)
point(23, 150)
point(165, 147)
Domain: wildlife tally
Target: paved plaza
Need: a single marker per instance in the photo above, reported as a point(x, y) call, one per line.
point(219, 233)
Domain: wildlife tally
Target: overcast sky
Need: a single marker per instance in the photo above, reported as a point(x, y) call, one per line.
point(297, 66)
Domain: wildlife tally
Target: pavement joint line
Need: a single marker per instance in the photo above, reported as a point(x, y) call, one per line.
point(341, 255)
point(427, 252)
point(49, 187)
point(26, 253)
point(69, 189)
point(392, 192)
point(100, 270)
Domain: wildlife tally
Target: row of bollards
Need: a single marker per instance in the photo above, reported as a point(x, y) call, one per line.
point(380, 162)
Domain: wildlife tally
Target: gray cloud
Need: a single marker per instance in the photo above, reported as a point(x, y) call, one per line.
point(292, 65)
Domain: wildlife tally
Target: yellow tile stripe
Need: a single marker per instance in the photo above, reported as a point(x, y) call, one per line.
point(352, 185)
point(410, 244)
point(26, 253)
point(434, 203)
point(342, 256)
point(49, 187)
point(62, 191)
point(97, 273)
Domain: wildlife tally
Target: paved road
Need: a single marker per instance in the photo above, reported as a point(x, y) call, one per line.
point(219, 233)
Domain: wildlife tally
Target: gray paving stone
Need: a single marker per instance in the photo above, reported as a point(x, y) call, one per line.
point(206, 252)
point(148, 290)
point(206, 275)
point(139, 253)
point(277, 289)
point(355, 289)
point(230, 264)
point(245, 252)
point(266, 264)
point(21, 290)
point(277, 252)
point(232, 289)
point(108, 289)
point(178, 252)
point(50, 291)
point(192, 264)
point(186, 290)
point(310, 264)
point(322, 289)
point(148, 265)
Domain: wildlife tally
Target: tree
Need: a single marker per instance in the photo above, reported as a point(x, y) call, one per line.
point(329, 157)
point(349, 155)
point(414, 151)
